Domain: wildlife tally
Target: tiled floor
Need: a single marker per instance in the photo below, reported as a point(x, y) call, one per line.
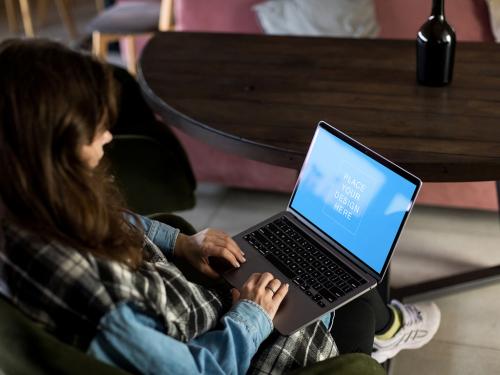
point(435, 242)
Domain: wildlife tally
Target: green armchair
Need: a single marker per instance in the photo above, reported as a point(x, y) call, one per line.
point(148, 162)
point(26, 349)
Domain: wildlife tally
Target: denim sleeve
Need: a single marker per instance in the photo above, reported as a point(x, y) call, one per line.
point(132, 340)
point(162, 235)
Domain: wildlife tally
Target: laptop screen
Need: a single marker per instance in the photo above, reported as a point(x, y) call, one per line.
point(359, 202)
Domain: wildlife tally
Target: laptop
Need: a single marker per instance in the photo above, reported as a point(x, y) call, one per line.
point(335, 239)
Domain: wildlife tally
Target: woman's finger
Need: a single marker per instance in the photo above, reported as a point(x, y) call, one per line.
point(274, 285)
point(281, 293)
point(228, 243)
point(264, 280)
point(233, 242)
point(222, 252)
point(252, 280)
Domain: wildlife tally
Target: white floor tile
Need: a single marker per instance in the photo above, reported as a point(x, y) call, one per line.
point(443, 358)
point(243, 208)
point(471, 318)
point(209, 199)
point(438, 242)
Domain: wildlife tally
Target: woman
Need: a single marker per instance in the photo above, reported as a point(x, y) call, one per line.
point(104, 279)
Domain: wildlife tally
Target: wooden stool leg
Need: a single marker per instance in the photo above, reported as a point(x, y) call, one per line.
point(131, 55)
point(26, 15)
point(99, 45)
point(64, 13)
point(99, 5)
point(42, 6)
point(11, 16)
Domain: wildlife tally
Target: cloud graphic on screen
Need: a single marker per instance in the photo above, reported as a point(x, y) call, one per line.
point(399, 203)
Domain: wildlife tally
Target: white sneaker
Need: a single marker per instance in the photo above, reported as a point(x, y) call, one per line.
point(420, 323)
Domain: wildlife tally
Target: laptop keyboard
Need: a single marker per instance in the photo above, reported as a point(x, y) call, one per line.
point(319, 274)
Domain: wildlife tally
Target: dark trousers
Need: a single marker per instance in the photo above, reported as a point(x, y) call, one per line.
point(356, 323)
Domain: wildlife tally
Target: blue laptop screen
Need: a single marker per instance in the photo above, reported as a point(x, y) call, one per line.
point(354, 199)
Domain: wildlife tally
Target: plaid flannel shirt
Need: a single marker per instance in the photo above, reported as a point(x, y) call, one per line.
point(69, 292)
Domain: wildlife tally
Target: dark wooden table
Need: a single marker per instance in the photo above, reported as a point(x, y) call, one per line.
point(262, 96)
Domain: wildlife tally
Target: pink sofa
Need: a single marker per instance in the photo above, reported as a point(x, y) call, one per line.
point(398, 19)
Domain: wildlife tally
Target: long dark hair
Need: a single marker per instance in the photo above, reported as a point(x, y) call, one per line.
point(53, 100)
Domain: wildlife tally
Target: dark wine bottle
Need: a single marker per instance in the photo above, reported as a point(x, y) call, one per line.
point(435, 49)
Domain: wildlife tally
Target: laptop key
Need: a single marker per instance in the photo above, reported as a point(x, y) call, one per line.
point(316, 285)
point(317, 297)
point(337, 292)
point(275, 230)
point(347, 289)
point(353, 283)
point(329, 296)
point(333, 267)
point(299, 280)
point(279, 265)
point(263, 251)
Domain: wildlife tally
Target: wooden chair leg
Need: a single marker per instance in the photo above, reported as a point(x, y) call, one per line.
point(131, 55)
point(26, 15)
point(11, 16)
point(166, 21)
point(65, 14)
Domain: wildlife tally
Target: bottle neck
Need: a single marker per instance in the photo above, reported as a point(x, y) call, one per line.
point(437, 9)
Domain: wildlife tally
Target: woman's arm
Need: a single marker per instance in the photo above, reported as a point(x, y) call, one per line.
point(195, 249)
point(162, 235)
point(133, 340)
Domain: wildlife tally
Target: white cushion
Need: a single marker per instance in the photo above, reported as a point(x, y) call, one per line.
point(340, 18)
point(494, 6)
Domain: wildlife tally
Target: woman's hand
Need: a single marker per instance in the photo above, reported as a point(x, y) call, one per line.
point(263, 289)
point(208, 243)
